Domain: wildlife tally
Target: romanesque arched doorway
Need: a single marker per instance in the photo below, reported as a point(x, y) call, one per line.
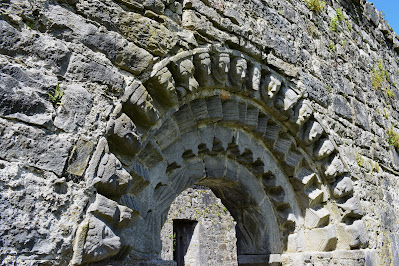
point(217, 117)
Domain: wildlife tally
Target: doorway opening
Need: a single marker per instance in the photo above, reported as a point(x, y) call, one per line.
point(199, 230)
point(183, 231)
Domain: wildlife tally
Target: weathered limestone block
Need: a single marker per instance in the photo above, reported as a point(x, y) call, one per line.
point(138, 105)
point(323, 149)
point(352, 208)
point(333, 169)
point(123, 137)
point(343, 187)
point(86, 68)
point(23, 94)
point(313, 132)
point(161, 86)
point(321, 239)
point(183, 74)
point(111, 178)
point(270, 86)
point(33, 146)
point(220, 69)
point(146, 33)
point(203, 71)
point(79, 158)
point(125, 54)
point(94, 241)
point(237, 73)
point(76, 104)
point(316, 218)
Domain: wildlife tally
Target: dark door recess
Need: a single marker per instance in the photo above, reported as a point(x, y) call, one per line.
point(183, 231)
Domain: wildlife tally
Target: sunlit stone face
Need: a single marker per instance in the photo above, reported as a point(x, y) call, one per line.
point(220, 68)
point(186, 69)
point(238, 71)
point(164, 84)
point(255, 77)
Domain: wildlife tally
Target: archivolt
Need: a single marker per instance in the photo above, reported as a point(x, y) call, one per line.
point(227, 114)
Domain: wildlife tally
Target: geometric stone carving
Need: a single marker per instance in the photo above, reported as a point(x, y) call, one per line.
point(322, 239)
point(315, 196)
point(323, 149)
point(343, 187)
point(316, 218)
point(270, 86)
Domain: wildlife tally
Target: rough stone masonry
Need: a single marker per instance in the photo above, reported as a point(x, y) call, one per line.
point(110, 109)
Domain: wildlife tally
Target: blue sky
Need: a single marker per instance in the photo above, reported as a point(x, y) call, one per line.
point(391, 10)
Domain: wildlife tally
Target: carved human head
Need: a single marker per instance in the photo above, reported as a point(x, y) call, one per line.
point(220, 67)
point(238, 70)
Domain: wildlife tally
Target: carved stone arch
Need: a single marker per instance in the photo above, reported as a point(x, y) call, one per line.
point(219, 107)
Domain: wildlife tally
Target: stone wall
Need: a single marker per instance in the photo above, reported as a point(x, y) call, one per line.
point(214, 239)
point(283, 111)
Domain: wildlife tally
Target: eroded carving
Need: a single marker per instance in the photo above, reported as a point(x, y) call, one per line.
point(270, 86)
point(312, 132)
point(323, 149)
point(352, 208)
point(238, 72)
point(112, 179)
point(162, 87)
point(286, 99)
point(343, 188)
point(203, 70)
point(335, 168)
point(122, 135)
point(138, 105)
point(183, 70)
point(94, 241)
point(220, 68)
point(254, 77)
point(303, 112)
point(358, 232)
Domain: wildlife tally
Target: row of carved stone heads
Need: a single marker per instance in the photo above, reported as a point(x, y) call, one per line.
point(175, 81)
point(209, 67)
